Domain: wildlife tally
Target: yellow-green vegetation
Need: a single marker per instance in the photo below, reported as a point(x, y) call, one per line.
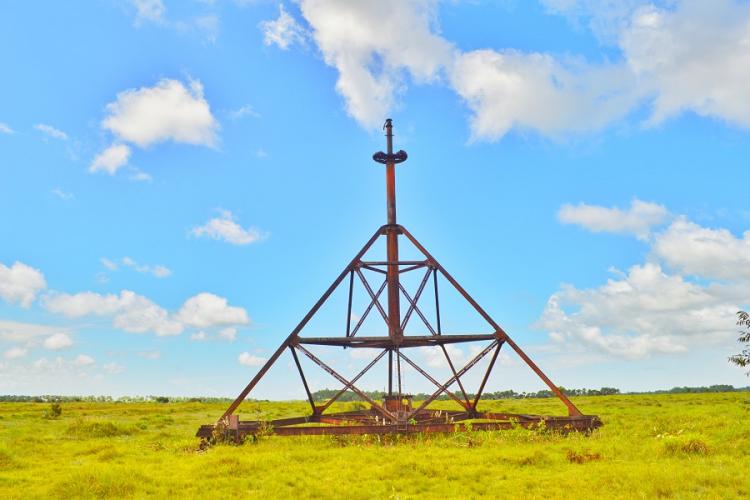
point(686, 445)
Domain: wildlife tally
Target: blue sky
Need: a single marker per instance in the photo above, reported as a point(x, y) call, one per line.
point(182, 180)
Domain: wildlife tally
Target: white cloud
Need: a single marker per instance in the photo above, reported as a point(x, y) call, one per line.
point(109, 264)
point(637, 220)
point(710, 253)
point(152, 355)
point(229, 334)
point(226, 228)
point(643, 313)
point(15, 353)
point(248, 359)
point(113, 368)
point(15, 331)
point(51, 131)
point(510, 89)
point(5, 128)
point(158, 271)
point(693, 57)
point(111, 159)
point(435, 357)
point(63, 195)
point(58, 341)
point(244, 111)
point(372, 45)
point(283, 32)
point(168, 111)
point(687, 55)
point(131, 312)
point(199, 336)
point(20, 284)
point(649, 310)
point(149, 10)
point(83, 360)
point(206, 309)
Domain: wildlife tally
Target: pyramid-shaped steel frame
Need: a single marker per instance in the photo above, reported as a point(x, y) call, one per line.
point(396, 413)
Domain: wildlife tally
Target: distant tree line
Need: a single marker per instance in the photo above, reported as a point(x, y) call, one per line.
point(325, 394)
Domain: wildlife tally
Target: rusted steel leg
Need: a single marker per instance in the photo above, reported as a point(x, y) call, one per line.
point(429, 377)
point(300, 326)
point(304, 381)
point(572, 410)
point(377, 407)
point(369, 308)
point(450, 381)
point(354, 380)
point(486, 376)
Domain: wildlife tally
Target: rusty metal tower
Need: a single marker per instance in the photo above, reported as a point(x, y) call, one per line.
point(396, 412)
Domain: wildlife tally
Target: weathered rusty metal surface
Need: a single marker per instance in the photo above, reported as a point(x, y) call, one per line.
point(396, 414)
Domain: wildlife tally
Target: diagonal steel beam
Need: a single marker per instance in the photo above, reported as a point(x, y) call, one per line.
point(572, 409)
point(486, 376)
point(372, 296)
point(354, 380)
point(304, 381)
point(429, 377)
point(376, 406)
point(450, 381)
point(367, 311)
point(301, 325)
point(413, 303)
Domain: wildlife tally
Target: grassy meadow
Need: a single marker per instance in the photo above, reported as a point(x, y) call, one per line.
point(668, 446)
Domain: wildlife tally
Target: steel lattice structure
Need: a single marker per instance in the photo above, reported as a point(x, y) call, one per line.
point(396, 412)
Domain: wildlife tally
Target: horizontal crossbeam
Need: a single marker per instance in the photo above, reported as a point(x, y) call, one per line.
point(403, 342)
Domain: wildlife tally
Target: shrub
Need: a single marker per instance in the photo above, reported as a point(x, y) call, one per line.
point(53, 412)
point(576, 457)
point(96, 429)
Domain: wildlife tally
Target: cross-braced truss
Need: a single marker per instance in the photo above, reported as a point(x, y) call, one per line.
point(396, 412)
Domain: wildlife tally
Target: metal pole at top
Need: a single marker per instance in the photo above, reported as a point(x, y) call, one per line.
point(394, 295)
point(390, 159)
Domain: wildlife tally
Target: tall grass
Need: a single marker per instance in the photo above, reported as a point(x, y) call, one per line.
point(651, 446)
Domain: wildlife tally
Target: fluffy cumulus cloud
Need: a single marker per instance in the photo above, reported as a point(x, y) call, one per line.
point(373, 45)
point(135, 313)
point(130, 312)
point(711, 253)
point(686, 294)
point(168, 111)
point(20, 283)
point(226, 228)
point(111, 159)
point(248, 359)
point(672, 57)
point(206, 310)
point(58, 341)
point(637, 220)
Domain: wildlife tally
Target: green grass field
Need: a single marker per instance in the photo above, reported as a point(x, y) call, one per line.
point(689, 445)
